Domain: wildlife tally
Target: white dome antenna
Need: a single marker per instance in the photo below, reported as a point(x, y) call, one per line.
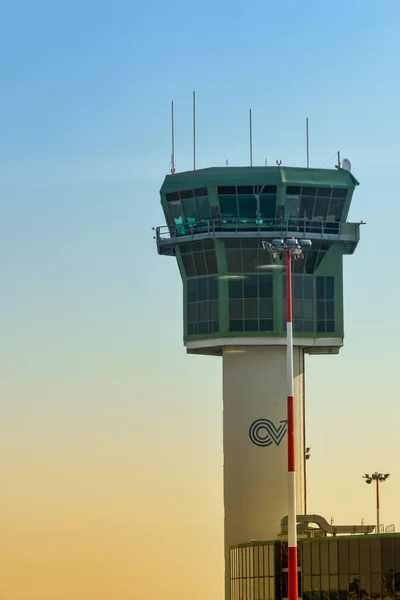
point(345, 164)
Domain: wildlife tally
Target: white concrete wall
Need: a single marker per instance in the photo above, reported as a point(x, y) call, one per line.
point(255, 477)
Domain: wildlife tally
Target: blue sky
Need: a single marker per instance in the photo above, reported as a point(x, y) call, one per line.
point(99, 399)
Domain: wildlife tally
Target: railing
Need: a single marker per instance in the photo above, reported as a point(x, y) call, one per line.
point(305, 227)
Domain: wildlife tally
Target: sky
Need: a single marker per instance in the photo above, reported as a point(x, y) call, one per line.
point(110, 435)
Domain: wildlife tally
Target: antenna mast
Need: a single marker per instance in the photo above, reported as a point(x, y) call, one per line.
point(194, 131)
point(251, 140)
point(173, 139)
point(308, 145)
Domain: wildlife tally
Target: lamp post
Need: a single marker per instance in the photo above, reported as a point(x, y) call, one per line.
point(378, 477)
point(289, 249)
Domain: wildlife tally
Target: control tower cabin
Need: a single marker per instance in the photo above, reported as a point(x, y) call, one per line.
point(233, 306)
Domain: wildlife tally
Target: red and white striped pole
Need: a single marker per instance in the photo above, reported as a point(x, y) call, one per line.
point(377, 506)
point(292, 519)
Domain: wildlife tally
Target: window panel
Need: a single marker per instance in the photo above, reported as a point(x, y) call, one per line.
point(375, 556)
point(234, 260)
point(267, 204)
point(339, 192)
point(265, 308)
point(297, 308)
point(250, 258)
point(321, 288)
point(188, 265)
point(324, 550)
point(330, 290)
point(365, 560)
point(226, 189)
point(235, 325)
point(265, 286)
point(236, 288)
point(192, 312)
point(211, 262)
point(203, 311)
point(202, 287)
point(247, 207)
point(175, 210)
point(365, 585)
point(315, 562)
point(213, 310)
point(203, 327)
point(324, 192)
point(333, 557)
point(251, 325)
point(330, 326)
point(324, 586)
point(316, 587)
point(397, 555)
point(387, 555)
point(309, 191)
point(388, 584)
point(202, 308)
point(191, 290)
point(308, 326)
point(307, 587)
point(336, 208)
point(297, 284)
point(307, 207)
point(354, 557)
point(376, 587)
point(306, 558)
point(343, 555)
point(189, 209)
point(236, 309)
point(308, 287)
point(308, 312)
point(250, 287)
point(171, 196)
point(200, 262)
point(251, 309)
point(266, 325)
point(203, 207)
point(228, 207)
point(213, 288)
point(293, 190)
point(330, 310)
point(266, 564)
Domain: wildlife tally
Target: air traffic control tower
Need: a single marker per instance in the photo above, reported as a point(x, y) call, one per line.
point(233, 307)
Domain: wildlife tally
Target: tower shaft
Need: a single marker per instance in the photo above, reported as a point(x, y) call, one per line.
point(255, 443)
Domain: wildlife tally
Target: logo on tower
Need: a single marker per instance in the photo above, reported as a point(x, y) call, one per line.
point(264, 432)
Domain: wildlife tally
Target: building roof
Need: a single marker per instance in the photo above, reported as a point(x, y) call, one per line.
point(258, 176)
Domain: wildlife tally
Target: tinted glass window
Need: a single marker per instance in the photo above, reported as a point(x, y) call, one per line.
point(228, 207)
point(365, 561)
point(306, 558)
point(333, 557)
point(343, 555)
point(247, 207)
point(375, 556)
point(387, 555)
point(324, 558)
point(315, 562)
point(354, 556)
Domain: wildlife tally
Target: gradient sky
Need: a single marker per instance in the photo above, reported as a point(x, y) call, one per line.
point(110, 435)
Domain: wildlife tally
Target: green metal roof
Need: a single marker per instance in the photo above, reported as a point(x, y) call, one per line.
point(258, 176)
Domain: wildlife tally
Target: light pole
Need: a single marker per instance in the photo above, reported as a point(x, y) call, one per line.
point(290, 248)
point(378, 477)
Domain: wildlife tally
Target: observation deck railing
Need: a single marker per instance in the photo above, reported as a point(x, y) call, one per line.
point(227, 227)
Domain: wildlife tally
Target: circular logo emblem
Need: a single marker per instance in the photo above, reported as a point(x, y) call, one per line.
point(264, 432)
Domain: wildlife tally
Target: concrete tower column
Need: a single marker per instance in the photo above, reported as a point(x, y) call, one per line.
point(255, 443)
